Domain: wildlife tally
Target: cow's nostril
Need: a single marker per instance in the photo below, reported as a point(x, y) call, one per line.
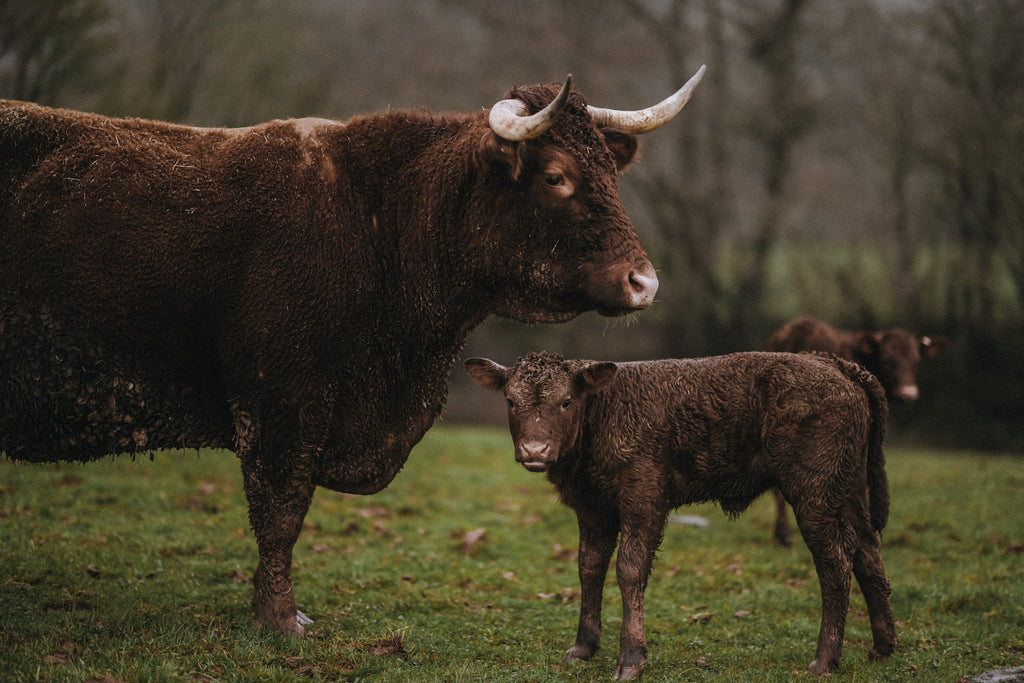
point(534, 450)
point(643, 285)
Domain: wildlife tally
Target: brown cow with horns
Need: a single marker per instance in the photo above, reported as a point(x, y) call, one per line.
point(298, 290)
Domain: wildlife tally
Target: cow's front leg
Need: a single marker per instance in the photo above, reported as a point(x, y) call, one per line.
point(638, 542)
point(279, 497)
point(598, 535)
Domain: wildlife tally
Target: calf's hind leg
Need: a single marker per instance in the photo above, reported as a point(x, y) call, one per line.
point(824, 538)
point(870, 573)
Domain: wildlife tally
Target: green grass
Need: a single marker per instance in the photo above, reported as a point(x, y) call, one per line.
point(137, 571)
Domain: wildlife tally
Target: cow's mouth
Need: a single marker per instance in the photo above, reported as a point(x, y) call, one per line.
point(536, 466)
point(618, 312)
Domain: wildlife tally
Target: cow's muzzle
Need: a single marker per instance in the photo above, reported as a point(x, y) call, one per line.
point(631, 289)
point(536, 456)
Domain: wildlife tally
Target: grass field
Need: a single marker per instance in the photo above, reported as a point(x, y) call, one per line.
point(138, 571)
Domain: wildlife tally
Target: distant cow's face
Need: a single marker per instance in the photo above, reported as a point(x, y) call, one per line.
point(894, 355)
point(546, 397)
point(558, 214)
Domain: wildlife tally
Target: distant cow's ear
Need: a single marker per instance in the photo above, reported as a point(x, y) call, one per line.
point(623, 146)
point(496, 152)
point(487, 373)
point(933, 346)
point(868, 343)
point(596, 376)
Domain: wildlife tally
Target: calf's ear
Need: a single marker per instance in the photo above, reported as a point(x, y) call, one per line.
point(933, 346)
point(596, 376)
point(486, 373)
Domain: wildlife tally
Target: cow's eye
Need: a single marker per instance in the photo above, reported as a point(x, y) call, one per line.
point(554, 179)
point(565, 403)
point(510, 403)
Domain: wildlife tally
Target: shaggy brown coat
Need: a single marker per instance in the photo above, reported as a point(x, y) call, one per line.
point(892, 355)
point(625, 444)
point(296, 291)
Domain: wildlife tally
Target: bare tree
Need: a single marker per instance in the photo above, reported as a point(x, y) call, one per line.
point(49, 49)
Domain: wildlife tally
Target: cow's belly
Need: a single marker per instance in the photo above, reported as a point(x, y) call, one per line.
point(64, 398)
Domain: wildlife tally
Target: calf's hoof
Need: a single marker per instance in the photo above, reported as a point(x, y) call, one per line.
point(579, 653)
point(822, 668)
point(875, 653)
point(628, 672)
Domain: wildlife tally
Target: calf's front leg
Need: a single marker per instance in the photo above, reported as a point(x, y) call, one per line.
point(639, 540)
point(597, 543)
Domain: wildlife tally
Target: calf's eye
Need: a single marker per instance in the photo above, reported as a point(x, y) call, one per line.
point(554, 179)
point(510, 403)
point(565, 403)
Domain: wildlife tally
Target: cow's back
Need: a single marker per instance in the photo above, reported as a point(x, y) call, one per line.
point(806, 334)
point(113, 272)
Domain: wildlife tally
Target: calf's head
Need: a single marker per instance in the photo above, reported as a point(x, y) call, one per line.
point(893, 355)
point(546, 398)
point(559, 236)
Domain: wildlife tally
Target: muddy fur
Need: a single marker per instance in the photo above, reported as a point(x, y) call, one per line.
point(892, 355)
point(297, 291)
point(626, 443)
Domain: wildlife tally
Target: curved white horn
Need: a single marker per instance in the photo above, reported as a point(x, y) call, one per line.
point(509, 119)
point(646, 120)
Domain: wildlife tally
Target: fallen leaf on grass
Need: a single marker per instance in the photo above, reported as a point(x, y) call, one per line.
point(471, 540)
point(93, 571)
point(566, 595)
point(742, 613)
point(374, 512)
point(240, 576)
point(61, 656)
point(701, 617)
point(389, 646)
point(560, 553)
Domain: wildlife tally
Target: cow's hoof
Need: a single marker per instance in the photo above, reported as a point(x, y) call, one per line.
point(289, 626)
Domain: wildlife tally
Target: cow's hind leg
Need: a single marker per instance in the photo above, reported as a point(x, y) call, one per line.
point(870, 573)
point(826, 538)
point(783, 532)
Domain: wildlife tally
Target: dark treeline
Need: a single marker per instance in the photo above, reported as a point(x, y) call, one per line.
point(861, 161)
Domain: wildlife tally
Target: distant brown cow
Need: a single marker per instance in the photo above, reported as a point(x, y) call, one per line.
point(892, 355)
point(298, 290)
point(624, 444)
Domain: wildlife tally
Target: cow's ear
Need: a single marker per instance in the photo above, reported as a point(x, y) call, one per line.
point(487, 373)
point(868, 343)
point(623, 146)
point(933, 346)
point(596, 376)
point(497, 152)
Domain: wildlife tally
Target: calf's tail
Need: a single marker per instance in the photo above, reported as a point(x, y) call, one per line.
point(878, 480)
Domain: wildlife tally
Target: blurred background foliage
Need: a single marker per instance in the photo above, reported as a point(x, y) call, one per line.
point(861, 161)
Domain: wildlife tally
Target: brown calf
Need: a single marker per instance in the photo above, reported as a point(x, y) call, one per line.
point(892, 355)
point(626, 443)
